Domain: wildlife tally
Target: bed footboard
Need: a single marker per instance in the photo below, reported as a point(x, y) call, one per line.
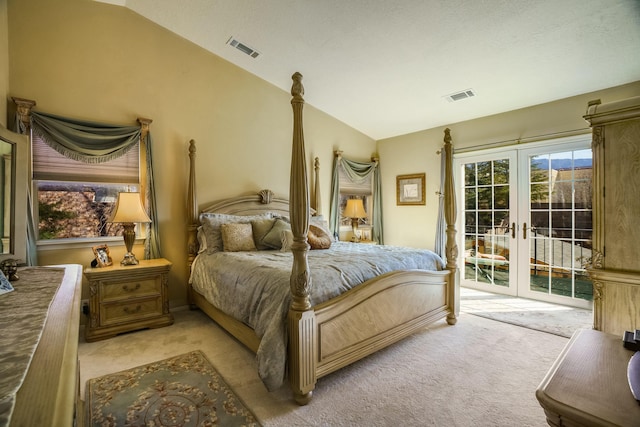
point(388, 309)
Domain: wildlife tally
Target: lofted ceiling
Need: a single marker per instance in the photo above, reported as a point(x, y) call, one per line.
point(386, 67)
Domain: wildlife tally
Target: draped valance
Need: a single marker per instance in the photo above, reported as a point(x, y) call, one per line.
point(84, 141)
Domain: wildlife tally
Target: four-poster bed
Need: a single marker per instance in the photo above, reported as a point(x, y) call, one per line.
point(319, 334)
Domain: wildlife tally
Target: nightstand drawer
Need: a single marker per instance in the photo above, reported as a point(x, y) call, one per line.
point(118, 290)
point(128, 311)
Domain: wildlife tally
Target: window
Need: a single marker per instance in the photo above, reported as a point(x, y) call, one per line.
point(354, 190)
point(75, 199)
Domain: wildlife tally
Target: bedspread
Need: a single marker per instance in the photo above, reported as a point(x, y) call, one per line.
point(253, 287)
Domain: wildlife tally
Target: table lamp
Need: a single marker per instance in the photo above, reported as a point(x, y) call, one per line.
point(129, 211)
point(354, 210)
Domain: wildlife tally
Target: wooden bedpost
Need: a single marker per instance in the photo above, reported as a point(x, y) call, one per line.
point(192, 219)
point(317, 202)
point(453, 290)
point(301, 319)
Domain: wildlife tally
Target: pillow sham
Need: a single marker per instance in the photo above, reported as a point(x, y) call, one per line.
point(237, 237)
point(202, 241)
point(322, 223)
point(318, 238)
point(211, 223)
point(260, 229)
point(287, 240)
point(273, 239)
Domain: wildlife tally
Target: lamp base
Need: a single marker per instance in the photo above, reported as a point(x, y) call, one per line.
point(354, 229)
point(129, 259)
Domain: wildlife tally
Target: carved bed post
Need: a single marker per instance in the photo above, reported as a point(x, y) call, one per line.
point(317, 201)
point(301, 320)
point(192, 218)
point(453, 290)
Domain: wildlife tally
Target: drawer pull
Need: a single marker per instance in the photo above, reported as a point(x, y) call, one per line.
point(127, 289)
point(129, 311)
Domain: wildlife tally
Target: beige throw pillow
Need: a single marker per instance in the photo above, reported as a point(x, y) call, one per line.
point(237, 237)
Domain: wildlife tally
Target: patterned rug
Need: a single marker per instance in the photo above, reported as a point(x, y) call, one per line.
point(180, 391)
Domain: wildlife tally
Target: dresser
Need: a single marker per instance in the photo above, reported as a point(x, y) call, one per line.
point(588, 386)
point(615, 264)
point(127, 298)
point(48, 395)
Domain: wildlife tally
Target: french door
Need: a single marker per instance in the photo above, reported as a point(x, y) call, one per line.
point(526, 226)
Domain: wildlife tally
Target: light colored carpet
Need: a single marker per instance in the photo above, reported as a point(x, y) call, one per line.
point(542, 316)
point(477, 373)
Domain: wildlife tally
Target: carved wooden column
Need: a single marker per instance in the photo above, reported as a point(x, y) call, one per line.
point(317, 200)
point(453, 289)
point(24, 107)
point(302, 322)
point(192, 219)
point(144, 128)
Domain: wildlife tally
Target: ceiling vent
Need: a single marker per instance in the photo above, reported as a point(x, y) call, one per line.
point(243, 47)
point(458, 96)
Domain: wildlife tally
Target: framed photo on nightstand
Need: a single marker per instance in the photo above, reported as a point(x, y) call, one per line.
point(102, 255)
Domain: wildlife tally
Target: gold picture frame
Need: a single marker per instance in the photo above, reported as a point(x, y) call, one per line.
point(103, 257)
point(410, 189)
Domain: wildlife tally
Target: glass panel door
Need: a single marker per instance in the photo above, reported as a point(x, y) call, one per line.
point(526, 225)
point(557, 228)
point(488, 200)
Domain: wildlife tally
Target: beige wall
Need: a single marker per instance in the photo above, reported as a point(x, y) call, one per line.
point(102, 62)
point(416, 153)
point(4, 62)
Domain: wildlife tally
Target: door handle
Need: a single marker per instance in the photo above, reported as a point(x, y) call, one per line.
point(513, 230)
point(524, 231)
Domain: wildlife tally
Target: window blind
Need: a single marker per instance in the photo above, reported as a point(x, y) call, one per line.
point(348, 186)
point(50, 165)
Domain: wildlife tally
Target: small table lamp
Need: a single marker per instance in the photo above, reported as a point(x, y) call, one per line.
point(355, 211)
point(129, 211)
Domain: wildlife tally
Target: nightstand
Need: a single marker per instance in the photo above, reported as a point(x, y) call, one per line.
point(127, 298)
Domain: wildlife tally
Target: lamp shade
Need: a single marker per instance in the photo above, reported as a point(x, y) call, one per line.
point(129, 209)
point(354, 209)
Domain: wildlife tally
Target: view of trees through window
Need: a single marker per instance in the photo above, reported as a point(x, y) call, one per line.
point(68, 210)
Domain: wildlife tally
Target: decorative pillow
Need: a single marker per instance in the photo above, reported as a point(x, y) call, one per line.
point(318, 238)
point(211, 223)
point(287, 240)
point(237, 237)
point(273, 239)
point(202, 241)
point(322, 223)
point(260, 229)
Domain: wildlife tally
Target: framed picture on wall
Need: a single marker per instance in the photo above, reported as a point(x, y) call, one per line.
point(410, 189)
point(102, 255)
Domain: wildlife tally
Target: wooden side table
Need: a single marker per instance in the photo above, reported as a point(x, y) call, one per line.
point(127, 298)
point(588, 386)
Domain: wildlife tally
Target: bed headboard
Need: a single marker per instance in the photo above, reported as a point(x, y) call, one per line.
point(252, 204)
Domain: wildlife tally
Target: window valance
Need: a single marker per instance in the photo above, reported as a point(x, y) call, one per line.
point(84, 141)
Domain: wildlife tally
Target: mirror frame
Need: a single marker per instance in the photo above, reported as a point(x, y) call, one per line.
point(19, 174)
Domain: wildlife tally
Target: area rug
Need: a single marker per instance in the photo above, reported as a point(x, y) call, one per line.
point(540, 316)
point(180, 391)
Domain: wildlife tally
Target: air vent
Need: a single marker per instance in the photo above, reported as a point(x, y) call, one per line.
point(458, 96)
point(243, 47)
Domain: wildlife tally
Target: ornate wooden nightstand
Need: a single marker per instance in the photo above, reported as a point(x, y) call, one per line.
point(126, 298)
